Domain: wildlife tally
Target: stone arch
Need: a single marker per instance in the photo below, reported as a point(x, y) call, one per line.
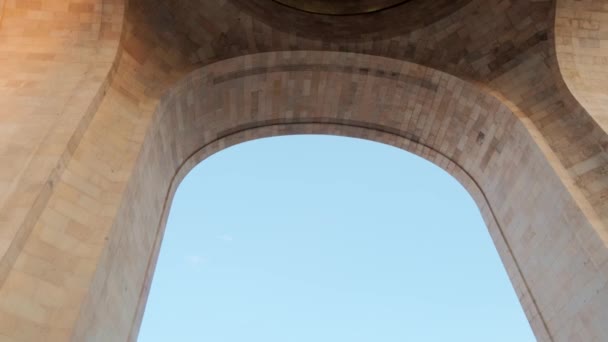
point(581, 43)
point(50, 51)
point(79, 96)
point(544, 234)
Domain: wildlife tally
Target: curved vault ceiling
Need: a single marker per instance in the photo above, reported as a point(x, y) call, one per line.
point(341, 7)
point(349, 20)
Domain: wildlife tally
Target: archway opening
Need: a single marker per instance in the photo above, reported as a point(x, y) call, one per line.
point(303, 238)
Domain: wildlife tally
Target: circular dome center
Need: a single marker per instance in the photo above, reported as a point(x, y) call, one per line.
point(341, 7)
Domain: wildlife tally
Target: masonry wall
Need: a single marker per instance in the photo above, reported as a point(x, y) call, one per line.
point(101, 115)
point(54, 63)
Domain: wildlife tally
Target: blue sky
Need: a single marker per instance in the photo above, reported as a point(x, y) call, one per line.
point(323, 238)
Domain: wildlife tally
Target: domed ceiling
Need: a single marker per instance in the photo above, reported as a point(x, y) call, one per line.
point(341, 7)
point(349, 20)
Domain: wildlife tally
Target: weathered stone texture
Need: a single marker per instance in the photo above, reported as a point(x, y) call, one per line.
point(104, 110)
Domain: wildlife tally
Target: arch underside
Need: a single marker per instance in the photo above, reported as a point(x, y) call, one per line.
point(106, 108)
point(530, 212)
point(581, 30)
